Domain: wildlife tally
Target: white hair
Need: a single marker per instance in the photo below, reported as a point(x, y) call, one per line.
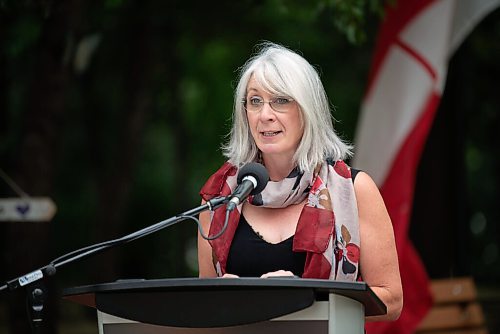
point(283, 72)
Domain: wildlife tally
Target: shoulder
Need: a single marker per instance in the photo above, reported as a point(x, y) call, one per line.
point(215, 183)
point(371, 205)
point(343, 169)
point(365, 188)
point(354, 173)
point(362, 180)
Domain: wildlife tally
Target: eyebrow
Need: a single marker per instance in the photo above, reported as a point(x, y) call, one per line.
point(252, 89)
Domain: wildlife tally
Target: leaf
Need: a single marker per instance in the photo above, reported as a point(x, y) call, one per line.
point(324, 199)
point(345, 234)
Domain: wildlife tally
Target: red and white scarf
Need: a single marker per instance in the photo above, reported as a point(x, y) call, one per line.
point(328, 226)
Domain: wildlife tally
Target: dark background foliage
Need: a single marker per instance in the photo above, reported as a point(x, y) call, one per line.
point(116, 109)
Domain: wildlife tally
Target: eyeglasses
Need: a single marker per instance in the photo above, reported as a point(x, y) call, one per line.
point(278, 104)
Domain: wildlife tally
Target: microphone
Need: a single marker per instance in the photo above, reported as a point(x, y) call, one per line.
point(252, 179)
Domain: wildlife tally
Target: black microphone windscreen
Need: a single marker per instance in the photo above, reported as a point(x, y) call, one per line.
point(258, 171)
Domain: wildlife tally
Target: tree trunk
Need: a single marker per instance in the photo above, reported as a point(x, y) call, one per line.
point(28, 244)
point(115, 171)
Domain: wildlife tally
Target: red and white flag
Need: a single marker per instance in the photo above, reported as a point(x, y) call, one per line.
point(406, 82)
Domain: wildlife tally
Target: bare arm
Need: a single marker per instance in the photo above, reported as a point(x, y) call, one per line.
point(379, 261)
point(205, 264)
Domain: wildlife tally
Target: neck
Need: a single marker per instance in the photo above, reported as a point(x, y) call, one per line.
point(278, 167)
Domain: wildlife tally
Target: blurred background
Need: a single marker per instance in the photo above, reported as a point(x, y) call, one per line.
point(116, 109)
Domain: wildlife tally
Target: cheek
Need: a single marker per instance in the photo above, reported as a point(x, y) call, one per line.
point(251, 119)
point(298, 128)
point(298, 138)
point(252, 123)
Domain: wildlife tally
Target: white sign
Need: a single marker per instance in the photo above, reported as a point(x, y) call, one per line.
point(36, 209)
point(31, 277)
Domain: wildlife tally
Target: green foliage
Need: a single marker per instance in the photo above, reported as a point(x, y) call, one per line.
point(148, 99)
point(22, 36)
point(350, 17)
point(144, 116)
point(479, 100)
point(152, 103)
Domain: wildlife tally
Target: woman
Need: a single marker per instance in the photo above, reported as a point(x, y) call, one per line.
point(316, 218)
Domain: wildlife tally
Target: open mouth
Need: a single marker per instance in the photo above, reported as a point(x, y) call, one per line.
point(270, 133)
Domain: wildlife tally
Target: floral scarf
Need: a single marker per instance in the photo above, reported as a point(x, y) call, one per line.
point(328, 226)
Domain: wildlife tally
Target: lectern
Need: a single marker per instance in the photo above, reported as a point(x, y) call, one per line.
point(229, 305)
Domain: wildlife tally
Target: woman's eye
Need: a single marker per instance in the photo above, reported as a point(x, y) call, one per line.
point(281, 100)
point(255, 100)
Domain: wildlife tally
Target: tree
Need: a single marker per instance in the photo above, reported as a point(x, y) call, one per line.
point(116, 110)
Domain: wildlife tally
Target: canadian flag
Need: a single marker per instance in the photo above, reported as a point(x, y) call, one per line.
point(406, 82)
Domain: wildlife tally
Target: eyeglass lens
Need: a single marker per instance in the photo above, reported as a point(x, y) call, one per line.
point(280, 104)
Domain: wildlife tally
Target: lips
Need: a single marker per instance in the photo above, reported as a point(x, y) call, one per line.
point(270, 133)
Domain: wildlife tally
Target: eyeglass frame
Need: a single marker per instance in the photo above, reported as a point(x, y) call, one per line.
point(271, 103)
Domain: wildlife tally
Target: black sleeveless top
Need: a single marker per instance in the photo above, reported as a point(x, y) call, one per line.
point(252, 256)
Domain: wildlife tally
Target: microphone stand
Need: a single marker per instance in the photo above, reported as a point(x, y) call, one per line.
point(36, 292)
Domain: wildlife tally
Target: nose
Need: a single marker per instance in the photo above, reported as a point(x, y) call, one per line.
point(267, 113)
